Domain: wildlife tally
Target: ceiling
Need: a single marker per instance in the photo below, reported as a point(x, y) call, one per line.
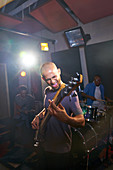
point(31, 16)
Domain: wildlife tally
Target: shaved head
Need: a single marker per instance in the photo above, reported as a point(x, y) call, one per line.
point(46, 67)
point(51, 75)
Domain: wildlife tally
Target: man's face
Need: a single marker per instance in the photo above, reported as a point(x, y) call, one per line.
point(97, 81)
point(23, 93)
point(52, 77)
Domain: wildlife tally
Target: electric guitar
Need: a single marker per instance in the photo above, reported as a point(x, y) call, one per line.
point(65, 90)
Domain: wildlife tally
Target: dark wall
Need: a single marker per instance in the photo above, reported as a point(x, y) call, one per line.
point(68, 61)
point(99, 58)
point(11, 69)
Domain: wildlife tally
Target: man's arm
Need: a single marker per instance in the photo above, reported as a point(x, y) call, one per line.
point(60, 113)
point(76, 121)
point(87, 96)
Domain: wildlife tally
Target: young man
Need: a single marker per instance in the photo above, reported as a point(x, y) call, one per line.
point(58, 136)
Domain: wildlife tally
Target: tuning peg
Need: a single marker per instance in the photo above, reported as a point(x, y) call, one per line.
point(75, 82)
point(75, 79)
point(69, 87)
point(77, 74)
point(65, 92)
point(70, 82)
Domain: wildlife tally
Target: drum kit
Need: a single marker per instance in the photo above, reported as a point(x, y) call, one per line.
point(92, 113)
point(98, 127)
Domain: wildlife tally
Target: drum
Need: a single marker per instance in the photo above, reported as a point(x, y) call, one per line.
point(84, 140)
point(89, 137)
point(100, 114)
point(90, 113)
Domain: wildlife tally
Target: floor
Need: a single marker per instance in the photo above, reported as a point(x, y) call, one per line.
point(23, 156)
point(22, 159)
point(25, 167)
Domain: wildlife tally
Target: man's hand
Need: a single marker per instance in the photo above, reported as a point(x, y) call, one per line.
point(92, 98)
point(35, 122)
point(58, 111)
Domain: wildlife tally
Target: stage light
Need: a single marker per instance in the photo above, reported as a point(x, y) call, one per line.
point(44, 47)
point(23, 53)
point(23, 73)
point(76, 37)
point(28, 59)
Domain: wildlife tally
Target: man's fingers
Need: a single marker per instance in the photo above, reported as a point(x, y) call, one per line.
point(35, 125)
point(53, 105)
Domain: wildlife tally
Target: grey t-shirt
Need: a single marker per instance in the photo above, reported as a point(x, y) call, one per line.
point(58, 135)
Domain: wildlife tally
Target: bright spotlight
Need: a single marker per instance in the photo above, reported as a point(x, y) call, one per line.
point(28, 59)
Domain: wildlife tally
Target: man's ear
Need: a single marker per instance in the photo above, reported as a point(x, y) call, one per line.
point(59, 71)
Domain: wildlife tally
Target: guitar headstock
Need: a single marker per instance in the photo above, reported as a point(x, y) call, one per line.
point(66, 89)
point(72, 84)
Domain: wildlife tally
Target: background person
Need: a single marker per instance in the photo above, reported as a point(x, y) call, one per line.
point(24, 112)
point(94, 93)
